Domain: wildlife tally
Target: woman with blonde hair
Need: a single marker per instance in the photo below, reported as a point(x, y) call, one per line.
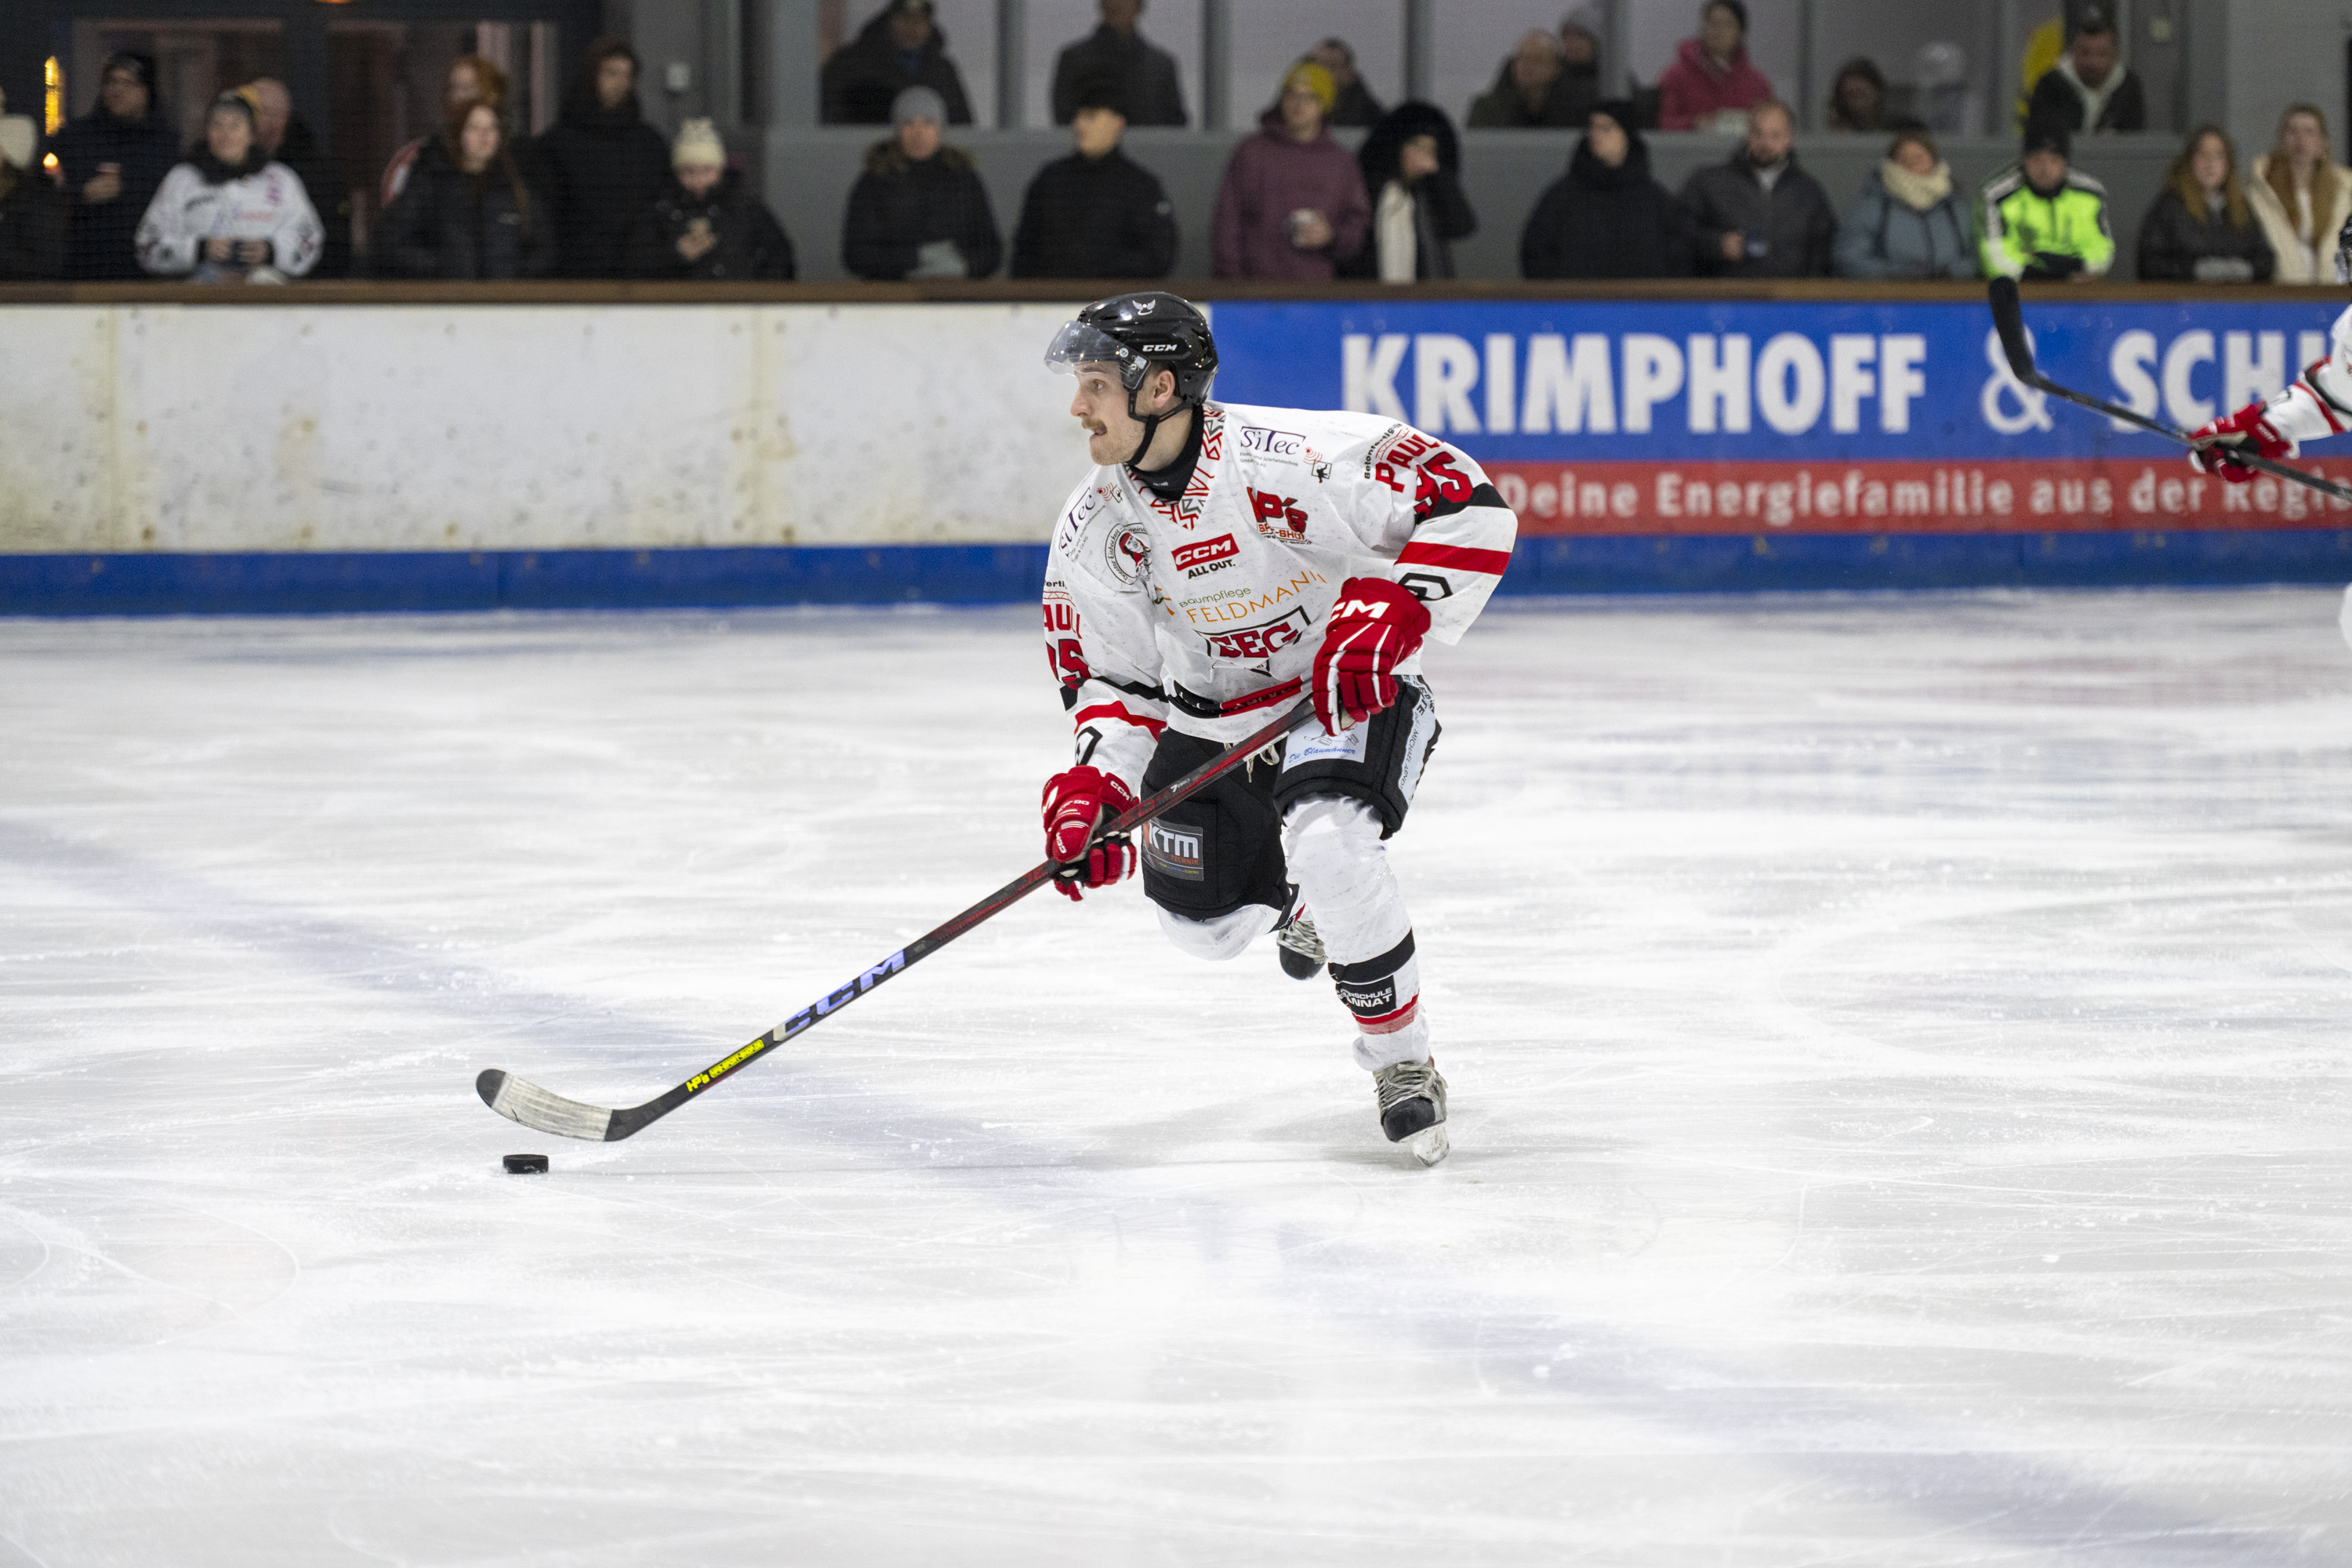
point(2302, 197)
point(2202, 228)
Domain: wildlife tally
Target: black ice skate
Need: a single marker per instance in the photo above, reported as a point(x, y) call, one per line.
point(1412, 1108)
point(1299, 945)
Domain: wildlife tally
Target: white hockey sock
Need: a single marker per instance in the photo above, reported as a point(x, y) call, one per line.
point(1222, 938)
point(1334, 850)
point(1409, 1043)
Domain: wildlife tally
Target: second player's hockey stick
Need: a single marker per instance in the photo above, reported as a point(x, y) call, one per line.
point(522, 1100)
point(2008, 321)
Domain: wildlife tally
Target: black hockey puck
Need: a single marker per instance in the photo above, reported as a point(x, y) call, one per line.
point(526, 1164)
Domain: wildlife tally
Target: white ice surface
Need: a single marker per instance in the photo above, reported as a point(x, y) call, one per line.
point(1900, 1106)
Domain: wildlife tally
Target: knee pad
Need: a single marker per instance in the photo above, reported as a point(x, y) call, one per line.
point(1325, 835)
point(1223, 937)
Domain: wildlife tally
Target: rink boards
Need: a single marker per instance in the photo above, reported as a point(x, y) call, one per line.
point(233, 457)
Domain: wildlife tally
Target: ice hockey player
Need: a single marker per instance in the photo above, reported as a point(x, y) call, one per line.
point(1219, 560)
point(2316, 405)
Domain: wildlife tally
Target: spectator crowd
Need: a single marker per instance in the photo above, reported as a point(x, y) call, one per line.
point(601, 193)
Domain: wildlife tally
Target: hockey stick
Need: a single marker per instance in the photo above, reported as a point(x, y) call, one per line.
point(2008, 321)
point(522, 1100)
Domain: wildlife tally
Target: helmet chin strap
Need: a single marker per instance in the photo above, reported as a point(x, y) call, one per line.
point(1151, 422)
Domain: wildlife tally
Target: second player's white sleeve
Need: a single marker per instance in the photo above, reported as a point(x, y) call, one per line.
point(2319, 404)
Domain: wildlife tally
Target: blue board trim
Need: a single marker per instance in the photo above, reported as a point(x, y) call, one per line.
point(312, 583)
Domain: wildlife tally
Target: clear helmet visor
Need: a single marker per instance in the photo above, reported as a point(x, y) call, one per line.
point(2344, 252)
point(1077, 344)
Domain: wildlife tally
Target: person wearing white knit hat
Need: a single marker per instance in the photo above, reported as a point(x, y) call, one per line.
point(705, 225)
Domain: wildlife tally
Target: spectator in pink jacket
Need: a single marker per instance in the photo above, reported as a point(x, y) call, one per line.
point(1711, 86)
point(1293, 204)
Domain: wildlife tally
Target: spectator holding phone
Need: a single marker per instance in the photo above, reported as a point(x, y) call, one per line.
point(112, 160)
point(1292, 203)
point(1760, 216)
point(228, 215)
point(1413, 170)
point(706, 227)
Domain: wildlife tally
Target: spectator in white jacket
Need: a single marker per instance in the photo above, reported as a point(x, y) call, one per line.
point(228, 215)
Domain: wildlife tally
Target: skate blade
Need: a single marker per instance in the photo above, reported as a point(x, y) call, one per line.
point(1429, 1145)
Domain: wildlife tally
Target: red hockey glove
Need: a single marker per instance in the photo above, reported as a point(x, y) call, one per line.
point(1374, 626)
point(1075, 803)
point(2245, 430)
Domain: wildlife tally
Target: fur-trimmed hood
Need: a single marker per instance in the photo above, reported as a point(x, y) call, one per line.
point(886, 159)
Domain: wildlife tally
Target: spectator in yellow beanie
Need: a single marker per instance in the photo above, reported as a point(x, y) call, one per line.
point(1293, 203)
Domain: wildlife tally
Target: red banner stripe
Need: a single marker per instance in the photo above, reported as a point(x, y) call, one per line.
point(1455, 557)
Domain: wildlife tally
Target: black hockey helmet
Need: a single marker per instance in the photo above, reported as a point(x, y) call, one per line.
point(2344, 252)
point(1138, 332)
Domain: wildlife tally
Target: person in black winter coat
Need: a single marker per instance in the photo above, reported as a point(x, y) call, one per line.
point(601, 164)
point(2090, 88)
point(1095, 213)
point(1606, 217)
point(900, 46)
point(1760, 216)
point(1116, 52)
point(113, 160)
point(707, 227)
point(1413, 172)
point(32, 212)
point(469, 213)
point(2202, 228)
point(1355, 105)
point(918, 210)
point(285, 137)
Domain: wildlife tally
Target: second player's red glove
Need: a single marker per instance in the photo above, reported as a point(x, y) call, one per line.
point(2246, 430)
point(1075, 803)
point(1375, 626)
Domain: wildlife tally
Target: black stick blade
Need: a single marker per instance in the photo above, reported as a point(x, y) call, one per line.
point(2008, 321)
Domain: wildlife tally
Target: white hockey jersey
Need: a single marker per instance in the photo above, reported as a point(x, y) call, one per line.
point(268, 204)
point(2319, 402)
point(1205, 612)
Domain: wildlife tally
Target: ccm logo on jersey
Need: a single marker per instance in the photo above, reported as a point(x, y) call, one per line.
point(1252, 645)
point(1209, 555)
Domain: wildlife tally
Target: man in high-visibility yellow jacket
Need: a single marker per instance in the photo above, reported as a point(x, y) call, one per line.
point(2044, 220)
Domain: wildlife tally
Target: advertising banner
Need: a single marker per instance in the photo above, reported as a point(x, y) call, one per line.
point(1760, 419)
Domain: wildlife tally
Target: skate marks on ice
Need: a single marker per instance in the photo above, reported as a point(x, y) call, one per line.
point(1696, 1284)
